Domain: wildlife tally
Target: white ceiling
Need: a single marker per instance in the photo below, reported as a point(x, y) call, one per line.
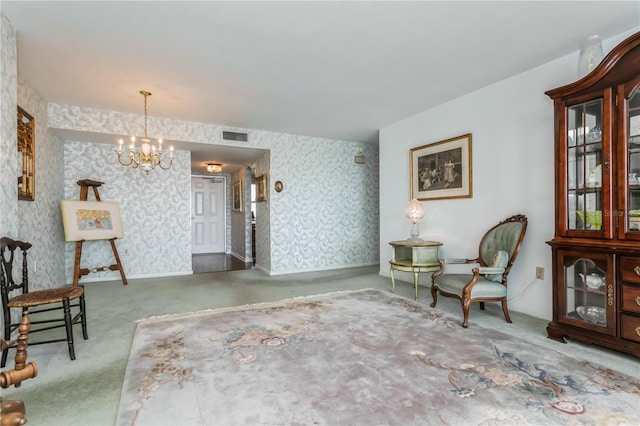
point(339, 70)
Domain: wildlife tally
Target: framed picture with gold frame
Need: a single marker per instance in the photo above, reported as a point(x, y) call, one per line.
point(442, 170)
point(26, 148)
point(236, 195)
point(261, 188)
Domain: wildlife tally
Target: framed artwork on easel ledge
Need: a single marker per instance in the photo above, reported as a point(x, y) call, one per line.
point(91, 220)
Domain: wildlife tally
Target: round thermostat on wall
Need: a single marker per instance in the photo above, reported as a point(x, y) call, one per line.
point(278, 186)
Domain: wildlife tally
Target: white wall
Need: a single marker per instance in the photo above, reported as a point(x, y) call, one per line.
point(513, 171)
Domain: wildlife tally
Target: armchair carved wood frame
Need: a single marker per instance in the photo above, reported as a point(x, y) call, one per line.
point(487, 281)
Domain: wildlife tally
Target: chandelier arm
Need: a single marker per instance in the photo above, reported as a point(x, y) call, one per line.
point(167, 167)
point(123, 163)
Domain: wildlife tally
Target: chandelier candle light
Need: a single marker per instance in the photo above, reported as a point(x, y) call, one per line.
point(414, 211)
point(148, 157)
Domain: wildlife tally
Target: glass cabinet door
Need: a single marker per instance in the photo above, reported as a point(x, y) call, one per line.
point(633, 161)
point(588, 291)
point(585, 155)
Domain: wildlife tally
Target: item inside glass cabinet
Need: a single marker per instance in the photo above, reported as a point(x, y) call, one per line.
point(593, 314)
point(592, 280)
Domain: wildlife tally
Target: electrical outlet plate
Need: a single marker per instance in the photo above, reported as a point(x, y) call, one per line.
point(539, 273)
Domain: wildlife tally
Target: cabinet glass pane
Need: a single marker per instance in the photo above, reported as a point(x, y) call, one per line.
point(633, 159)
point(584, 166)
point(586, 292)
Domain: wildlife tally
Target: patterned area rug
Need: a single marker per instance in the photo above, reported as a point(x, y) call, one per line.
point(357, 358)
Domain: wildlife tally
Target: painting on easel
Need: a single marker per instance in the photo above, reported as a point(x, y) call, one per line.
point(91, 220)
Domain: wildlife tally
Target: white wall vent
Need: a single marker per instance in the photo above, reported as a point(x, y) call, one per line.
point(235, 136)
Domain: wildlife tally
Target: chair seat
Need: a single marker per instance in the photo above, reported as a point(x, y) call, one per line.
point(66, 300)
point(42, 297)
point(454, 283)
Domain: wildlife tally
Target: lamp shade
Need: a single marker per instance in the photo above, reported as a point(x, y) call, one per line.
point(414, 211)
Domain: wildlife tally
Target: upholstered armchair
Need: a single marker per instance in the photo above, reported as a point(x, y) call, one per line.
point(487, 281)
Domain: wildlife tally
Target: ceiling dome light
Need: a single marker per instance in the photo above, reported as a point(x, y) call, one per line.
point(214, 167)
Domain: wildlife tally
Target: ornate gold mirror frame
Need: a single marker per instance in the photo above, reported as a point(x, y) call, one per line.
point(26, 146)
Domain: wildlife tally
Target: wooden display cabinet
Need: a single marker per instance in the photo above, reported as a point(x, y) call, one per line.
point(596, 245)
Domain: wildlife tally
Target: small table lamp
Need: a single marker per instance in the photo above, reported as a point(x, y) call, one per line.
point(414, 211)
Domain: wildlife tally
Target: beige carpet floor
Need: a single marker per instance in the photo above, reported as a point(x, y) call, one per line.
point(354, 358)
point(87, 391)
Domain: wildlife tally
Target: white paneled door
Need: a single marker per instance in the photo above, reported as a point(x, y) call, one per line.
point(207, 216)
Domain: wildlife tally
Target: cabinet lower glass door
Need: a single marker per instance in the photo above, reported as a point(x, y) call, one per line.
point(587, 293)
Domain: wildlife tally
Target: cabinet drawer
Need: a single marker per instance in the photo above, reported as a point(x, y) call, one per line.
point(631, 298)
point(630, 269)
point(630, 327)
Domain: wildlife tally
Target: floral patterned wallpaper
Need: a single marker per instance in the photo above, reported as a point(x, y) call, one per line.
point(40, 221)
point(155, 212)
point(326, 217)
point(8, 128)
point(237, 220)
point(330, 203)
point(263, 217)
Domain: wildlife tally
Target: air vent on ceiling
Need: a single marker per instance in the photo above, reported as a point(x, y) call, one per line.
point(235, 136)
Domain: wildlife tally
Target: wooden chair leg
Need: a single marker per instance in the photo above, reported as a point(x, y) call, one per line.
point(12, 413)
point(6, 337)
point(69, 327)
point(434, 295)
point(505, 310)
point(21, 371)
point(465, 311)
point(83, 318)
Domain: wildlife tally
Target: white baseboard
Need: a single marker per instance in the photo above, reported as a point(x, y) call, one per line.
point(324, 268)
point(116, 277)
point(242, 258)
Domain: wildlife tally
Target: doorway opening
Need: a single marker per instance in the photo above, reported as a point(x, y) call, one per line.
point(208, 215)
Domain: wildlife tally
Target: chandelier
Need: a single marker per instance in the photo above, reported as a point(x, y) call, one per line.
point(148, 157)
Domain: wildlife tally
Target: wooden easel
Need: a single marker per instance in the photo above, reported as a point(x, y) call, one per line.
point(77, 271)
